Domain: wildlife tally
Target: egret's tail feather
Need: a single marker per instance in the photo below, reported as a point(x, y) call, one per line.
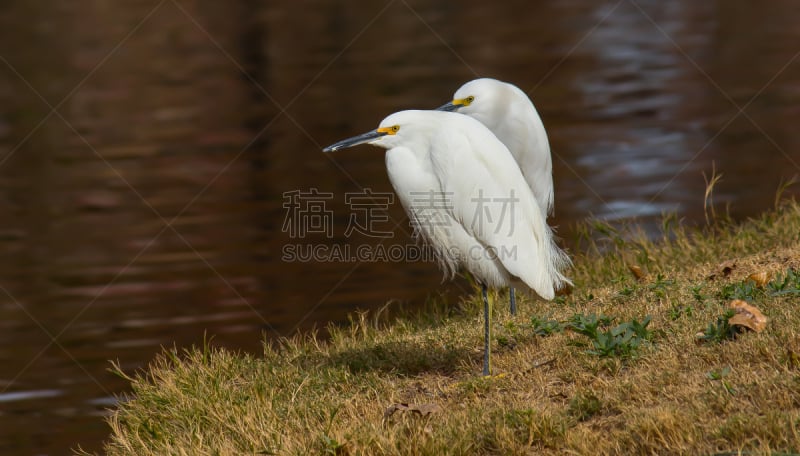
point(558, 262)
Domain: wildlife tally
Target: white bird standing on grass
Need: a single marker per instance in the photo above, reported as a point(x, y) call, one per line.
point(457, 159)
point(508, 112)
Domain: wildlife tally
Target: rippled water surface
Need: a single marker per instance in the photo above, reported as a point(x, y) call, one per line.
point(147, 148)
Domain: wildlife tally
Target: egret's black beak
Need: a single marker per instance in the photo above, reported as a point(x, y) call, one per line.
point(355, 140)
point(449, 107)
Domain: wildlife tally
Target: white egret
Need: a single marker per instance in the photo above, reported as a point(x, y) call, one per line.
point(484, 218)
point(508, 112)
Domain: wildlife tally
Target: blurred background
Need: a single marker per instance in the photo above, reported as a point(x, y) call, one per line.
point(146, 149)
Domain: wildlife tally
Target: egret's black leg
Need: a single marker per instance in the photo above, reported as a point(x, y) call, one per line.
point(513, 300)
point(487, 332)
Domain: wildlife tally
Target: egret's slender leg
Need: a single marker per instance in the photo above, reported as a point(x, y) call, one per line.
point(487, 332)
point(513, 299)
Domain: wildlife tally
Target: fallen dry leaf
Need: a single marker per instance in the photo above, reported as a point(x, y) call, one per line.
point(760, 278)
point(747, 316)
point(637, 272)
point(420, 409)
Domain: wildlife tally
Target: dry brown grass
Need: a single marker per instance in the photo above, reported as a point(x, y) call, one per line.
point(673, 396)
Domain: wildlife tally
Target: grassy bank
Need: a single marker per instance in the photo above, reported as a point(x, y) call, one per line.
point(616, 367)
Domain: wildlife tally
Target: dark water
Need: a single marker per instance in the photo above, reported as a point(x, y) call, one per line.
point(149, 207)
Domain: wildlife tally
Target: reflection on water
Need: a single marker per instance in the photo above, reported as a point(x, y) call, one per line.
point(149, 211)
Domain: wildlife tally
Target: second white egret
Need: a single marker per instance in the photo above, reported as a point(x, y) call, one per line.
point(485, 217)
point(508, 112)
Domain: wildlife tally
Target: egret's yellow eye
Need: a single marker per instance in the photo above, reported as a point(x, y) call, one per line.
point(389, 130)
point(466, 101)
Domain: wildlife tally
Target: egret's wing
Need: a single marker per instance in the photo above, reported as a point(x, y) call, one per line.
point(495, 205)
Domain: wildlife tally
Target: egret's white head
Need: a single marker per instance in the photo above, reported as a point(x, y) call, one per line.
point(483, 99)
point(402, 127)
